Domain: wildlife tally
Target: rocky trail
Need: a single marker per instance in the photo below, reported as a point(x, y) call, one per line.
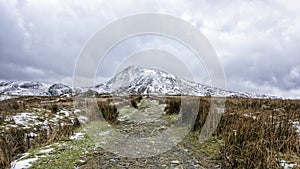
point(145, 123)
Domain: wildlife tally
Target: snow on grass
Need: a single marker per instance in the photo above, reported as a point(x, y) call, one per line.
point(287, 165)
point(250, 115)
point(31, 134)
point(77, 136)
point(64, 113)
point(46, 151)
point(23, 162)
point(28, 159)
point(65, 153)
point(6, 97)
point(33, 122)
point(296, 124)
point(24, 118)
point(26, 163)
point(56, 153)
point(83, 119)
point(39, 118)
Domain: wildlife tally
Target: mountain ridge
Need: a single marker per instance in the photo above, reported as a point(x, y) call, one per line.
point(137, 80)
point(34, 88)
point(131, 80)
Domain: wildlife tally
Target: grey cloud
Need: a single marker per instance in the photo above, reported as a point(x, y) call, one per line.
point(258, 42)
point(260, 46)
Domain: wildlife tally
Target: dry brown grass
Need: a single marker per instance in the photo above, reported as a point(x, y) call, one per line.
point(12, 144)
point(108, 111)
point(135, 99)
point(256, 143)
point(15, 140)
point(173, 105)
point(257, 132)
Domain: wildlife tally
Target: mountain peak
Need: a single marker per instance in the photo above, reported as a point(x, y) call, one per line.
point(131, 80)
point(131, 67)
point(146, 71)
point(138, 80)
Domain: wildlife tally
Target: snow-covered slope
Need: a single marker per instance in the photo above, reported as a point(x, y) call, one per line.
point(33, 88)
point(59, 89)
point(134, 80)
point(146, 81)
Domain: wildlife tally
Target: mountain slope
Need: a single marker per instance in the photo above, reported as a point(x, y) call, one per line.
point(33, 88)
point(133, 80)
point(146, 81)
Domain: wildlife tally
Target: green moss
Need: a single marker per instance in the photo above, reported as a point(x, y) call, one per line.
point(144, 103)
point(171, 118)
point(65, 155)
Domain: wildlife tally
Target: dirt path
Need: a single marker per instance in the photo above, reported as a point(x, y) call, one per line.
point(145, 123)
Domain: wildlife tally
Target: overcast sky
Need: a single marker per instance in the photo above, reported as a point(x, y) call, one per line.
point(258, 42)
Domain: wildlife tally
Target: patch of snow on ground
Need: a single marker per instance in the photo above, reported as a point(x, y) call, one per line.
point(5, 97)
point(24, 118)
point(77, 136)
point(31, 134)
point(65, 112)
point(296, 124)
point(250, 115)
point(77, 111)
point(46, 151)
point(23, 163)
point(38, 119)
point(286, 165)
point(82, 119)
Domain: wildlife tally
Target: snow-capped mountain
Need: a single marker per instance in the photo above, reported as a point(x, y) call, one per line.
point(60, 89)
point(133, 80)
point(33, 88)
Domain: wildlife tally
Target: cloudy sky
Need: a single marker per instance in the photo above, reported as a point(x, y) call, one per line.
point(258, 42)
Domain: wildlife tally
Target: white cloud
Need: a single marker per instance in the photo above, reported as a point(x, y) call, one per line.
point(34, 71)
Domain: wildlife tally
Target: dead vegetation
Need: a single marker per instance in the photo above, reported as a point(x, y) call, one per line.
point(108, 110)
point(257, 132)
point(135, 99)
point(16, 139)
point(202, 114)
point(256, 142)
point(172, 105)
